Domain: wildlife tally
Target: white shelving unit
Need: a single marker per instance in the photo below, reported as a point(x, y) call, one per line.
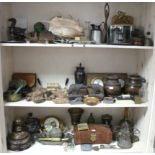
point(55, 62)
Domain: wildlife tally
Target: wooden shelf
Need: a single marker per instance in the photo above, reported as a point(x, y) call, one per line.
point(48, 104)
point(39, 148)
point(76, 45)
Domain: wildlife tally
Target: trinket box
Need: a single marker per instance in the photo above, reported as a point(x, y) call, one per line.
point(86, 147)
point(109, 100)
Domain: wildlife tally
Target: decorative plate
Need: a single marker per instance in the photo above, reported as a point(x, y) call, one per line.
point(50, 123)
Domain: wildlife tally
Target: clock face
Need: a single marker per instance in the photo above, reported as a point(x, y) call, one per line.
point(97, 81)
point(50, 123)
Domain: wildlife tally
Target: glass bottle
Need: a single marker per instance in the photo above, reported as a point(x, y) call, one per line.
point(79, 75)
point(87, 30)
point(143, 92)
point(148, 40)
point(91, 118)
point(126, 119)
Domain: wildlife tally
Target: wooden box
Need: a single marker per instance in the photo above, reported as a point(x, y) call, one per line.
point(103, 135)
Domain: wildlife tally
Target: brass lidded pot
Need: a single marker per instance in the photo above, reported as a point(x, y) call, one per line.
point(133, 84)
point(112, 86)
point(19, 139)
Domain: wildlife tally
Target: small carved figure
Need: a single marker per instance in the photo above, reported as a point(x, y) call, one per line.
point(15, 33)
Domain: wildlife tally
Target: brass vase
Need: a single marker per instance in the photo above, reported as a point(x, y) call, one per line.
point(75, 114)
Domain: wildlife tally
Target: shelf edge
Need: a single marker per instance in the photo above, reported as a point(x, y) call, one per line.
point(77, 45)
point(50, 104)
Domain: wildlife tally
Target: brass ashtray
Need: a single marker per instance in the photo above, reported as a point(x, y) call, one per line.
point(90, 100)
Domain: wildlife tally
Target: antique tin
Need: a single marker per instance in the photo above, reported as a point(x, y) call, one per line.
point(120, 34)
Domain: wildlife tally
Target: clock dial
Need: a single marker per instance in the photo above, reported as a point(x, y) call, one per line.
point(97, 81)
point(51, 123)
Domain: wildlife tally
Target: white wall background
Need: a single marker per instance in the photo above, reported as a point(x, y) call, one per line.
point(94, 12)
point(59, 63)
point(56, 64)
point(50, 60)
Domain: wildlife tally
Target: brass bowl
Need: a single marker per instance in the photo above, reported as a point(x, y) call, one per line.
point(90, 100)
point(11, 97)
